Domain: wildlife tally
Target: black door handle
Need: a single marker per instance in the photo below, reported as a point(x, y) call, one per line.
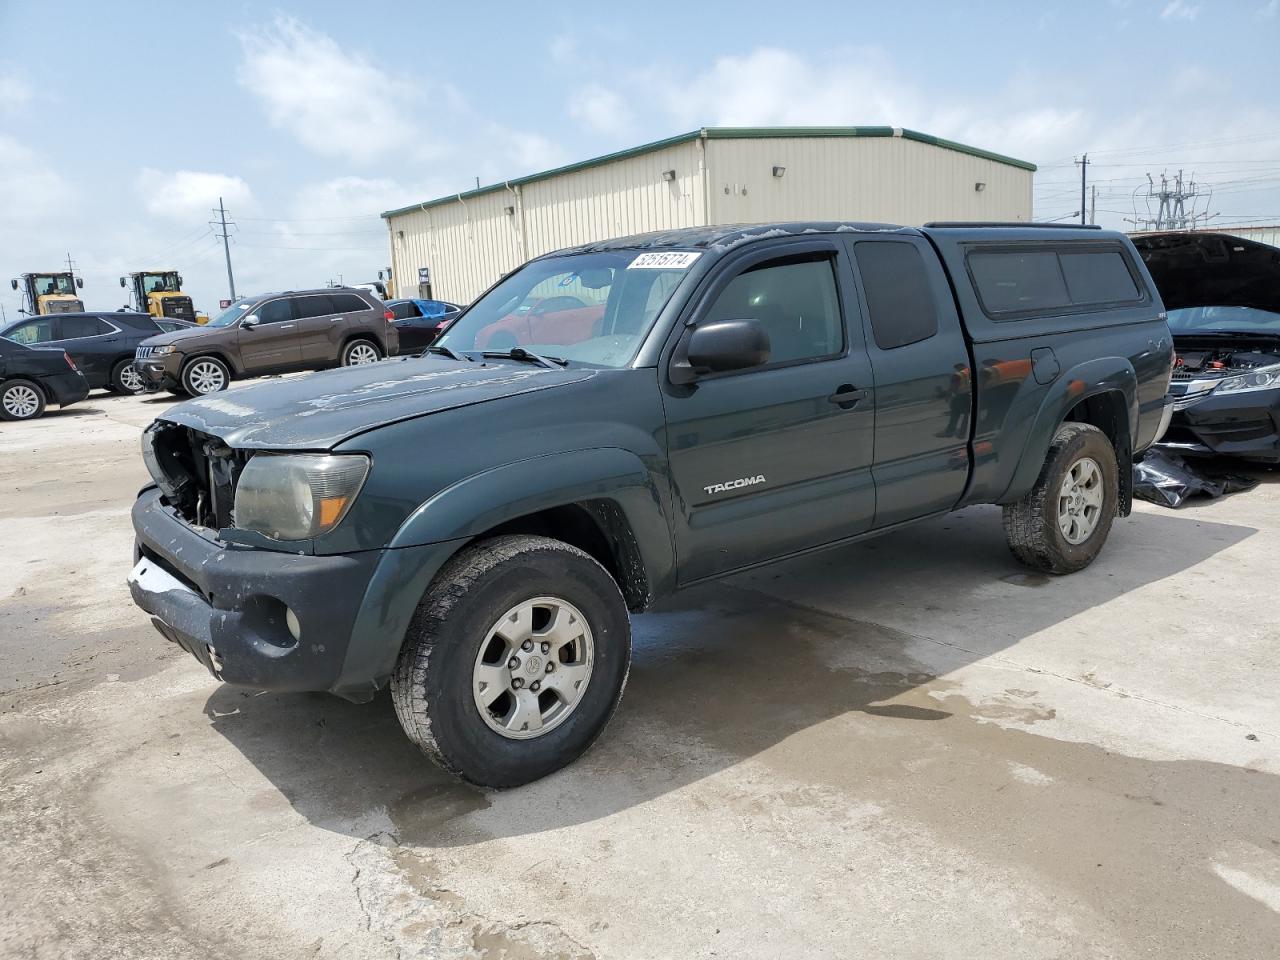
point(847, 396)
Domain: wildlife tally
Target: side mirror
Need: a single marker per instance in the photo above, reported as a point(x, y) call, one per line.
point(80, 282)
point(179, 279)
point(14, 284)
point(717, 346)
point(122, 282)
point(249, 322)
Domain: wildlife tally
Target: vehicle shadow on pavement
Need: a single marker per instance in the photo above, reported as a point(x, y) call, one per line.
point(723, 674)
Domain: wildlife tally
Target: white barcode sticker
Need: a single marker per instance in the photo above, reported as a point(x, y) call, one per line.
point(666, 260)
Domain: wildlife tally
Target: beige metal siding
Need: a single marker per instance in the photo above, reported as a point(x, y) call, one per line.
point(1258, 234)
point(879, 179)
point(615, 199)
point(469, 243)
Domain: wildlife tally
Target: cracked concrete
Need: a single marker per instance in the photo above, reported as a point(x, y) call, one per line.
point(907, 748)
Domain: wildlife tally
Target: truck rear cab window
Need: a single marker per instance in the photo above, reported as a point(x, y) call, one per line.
point(1012, 283)
point(1098, 277)
point(795, 301)
point(899, 294)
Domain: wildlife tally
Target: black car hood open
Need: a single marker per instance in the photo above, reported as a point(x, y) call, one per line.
point(318, 411)
point(1204, 269)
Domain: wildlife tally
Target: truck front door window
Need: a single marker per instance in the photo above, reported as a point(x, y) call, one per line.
point(795, 301)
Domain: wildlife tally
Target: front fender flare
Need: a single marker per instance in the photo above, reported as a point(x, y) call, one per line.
point(459, 513)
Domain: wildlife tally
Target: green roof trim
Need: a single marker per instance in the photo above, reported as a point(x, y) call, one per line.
point(720, 133)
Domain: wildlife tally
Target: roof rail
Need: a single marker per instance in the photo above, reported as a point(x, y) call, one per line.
point(1013, 223)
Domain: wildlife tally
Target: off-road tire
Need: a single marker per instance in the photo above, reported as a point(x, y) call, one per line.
point(350, 346)
point(1031, 524)
point(195, 363)
point(432, 684)
point(28, 388)
point(118, 372)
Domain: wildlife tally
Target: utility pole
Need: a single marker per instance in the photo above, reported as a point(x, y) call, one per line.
point(1093, 203)
point(1172, 212)
point(1083, 163)
point(71, 267)
point(226, 244)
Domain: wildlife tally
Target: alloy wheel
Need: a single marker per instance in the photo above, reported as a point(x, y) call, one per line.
point(1080, 501)
point(361, 353)
point(21, 402)
point(533, 668)
point(206, 376)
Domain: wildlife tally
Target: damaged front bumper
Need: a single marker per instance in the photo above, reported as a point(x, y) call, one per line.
point(255, 618)
point(1242, 424)
point(229, 605)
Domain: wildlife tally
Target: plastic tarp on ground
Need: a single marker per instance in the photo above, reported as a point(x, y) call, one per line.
point(1167, 479)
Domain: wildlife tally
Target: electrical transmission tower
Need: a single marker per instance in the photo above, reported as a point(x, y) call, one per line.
point(1175, 204)
point(220, 231)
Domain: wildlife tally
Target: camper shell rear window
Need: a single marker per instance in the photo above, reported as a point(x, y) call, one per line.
point(1024, 280)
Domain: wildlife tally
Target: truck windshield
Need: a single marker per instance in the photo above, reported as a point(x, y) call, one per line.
point(160, 283)
point(230, 315)
point(53, 283)
point(592, 308)
point(1224, 320)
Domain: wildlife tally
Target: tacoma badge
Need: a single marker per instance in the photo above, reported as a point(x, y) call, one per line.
point(734, 484)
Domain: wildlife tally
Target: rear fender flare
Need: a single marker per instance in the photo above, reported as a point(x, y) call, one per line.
point(1088, 379)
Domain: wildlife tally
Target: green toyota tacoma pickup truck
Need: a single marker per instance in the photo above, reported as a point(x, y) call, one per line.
point(611, 423)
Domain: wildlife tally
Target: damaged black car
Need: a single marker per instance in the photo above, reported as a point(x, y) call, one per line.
point(1222, 294)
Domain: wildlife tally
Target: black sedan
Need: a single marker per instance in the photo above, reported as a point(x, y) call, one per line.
point(29, 379)
point(101, 344)
point(419, 322)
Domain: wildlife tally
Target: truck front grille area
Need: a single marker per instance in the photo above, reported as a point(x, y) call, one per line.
point(196, 473)
point(141, 353)
point(178, 308)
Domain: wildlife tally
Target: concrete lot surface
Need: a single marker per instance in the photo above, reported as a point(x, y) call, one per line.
point(906, 748)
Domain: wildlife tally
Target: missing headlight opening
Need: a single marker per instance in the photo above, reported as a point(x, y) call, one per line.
point(196, 473)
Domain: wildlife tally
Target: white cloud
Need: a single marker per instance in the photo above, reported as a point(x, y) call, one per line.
point(30, 190)
point(602, 110)
point(190, 195)
point(1180, 10)
point(336, 103)
point(15, 92)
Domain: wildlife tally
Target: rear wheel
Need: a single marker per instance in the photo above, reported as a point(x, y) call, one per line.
point(359, 352)
point(205, 375)
point(1061, 525)
point(515, 660)
point(20, 400)
point(125, 378)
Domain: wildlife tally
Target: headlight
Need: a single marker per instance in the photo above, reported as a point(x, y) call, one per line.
point(163, 351)
point(297, 496)
point(1262, 378)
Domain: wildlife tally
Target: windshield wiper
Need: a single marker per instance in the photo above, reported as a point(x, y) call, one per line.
point(449, 352)
point(520, 353)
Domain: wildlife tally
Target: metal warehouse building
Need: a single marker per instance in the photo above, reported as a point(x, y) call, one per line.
point(464, 242)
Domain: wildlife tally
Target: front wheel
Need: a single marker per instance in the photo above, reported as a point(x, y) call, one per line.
point(205, 375)
point(1061, 525)
point(515, 660)
point(359, 352)
point(20, 400)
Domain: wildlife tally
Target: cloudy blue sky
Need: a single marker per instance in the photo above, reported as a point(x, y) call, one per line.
point(119, 129)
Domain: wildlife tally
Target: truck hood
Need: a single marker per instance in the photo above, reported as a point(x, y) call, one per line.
point(1204, 269)
point(319, 411)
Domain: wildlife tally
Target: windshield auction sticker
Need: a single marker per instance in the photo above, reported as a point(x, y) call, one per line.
point(667, 260)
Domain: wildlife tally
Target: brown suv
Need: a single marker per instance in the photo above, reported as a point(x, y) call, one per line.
point(273, 333)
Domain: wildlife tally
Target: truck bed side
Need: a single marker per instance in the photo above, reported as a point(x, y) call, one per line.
point(1105, 363)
